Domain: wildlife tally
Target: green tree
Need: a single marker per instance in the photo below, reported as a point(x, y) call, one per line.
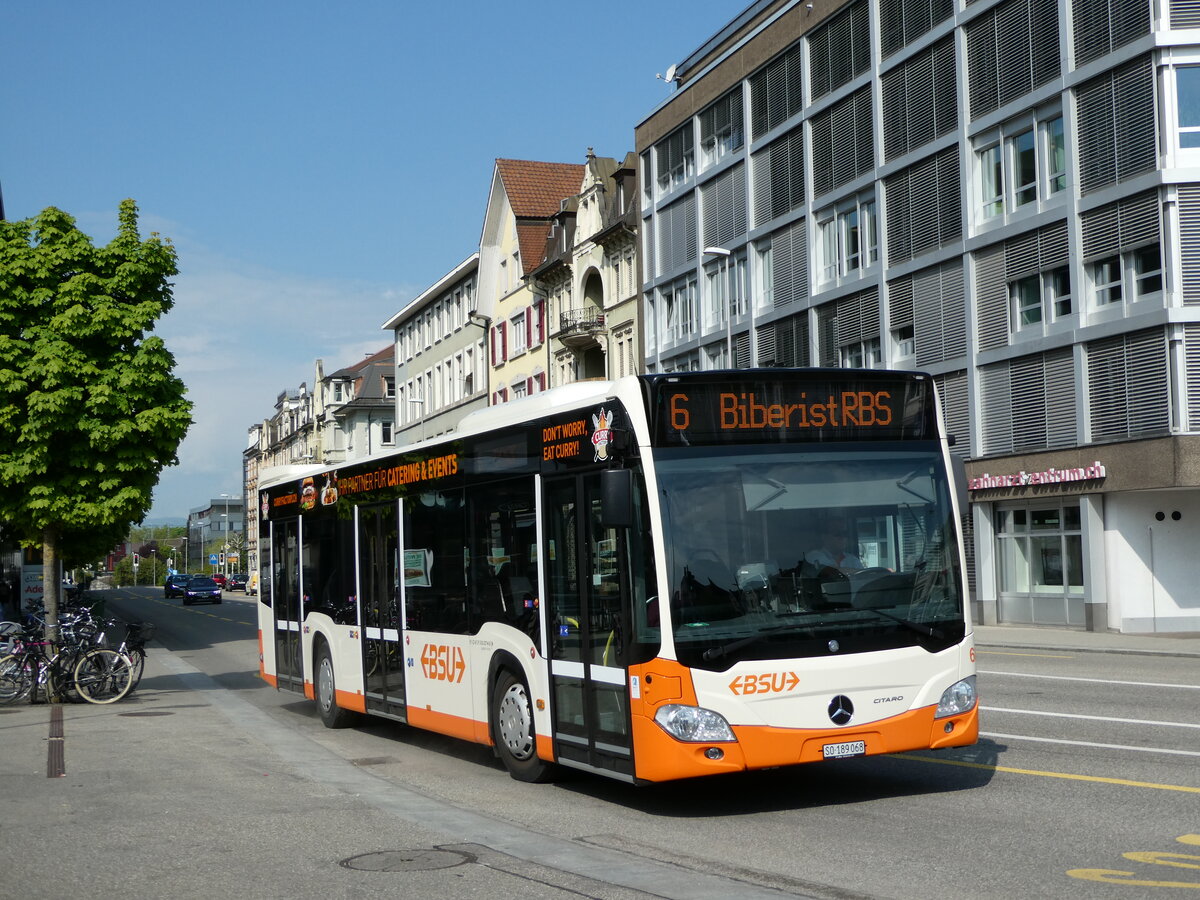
point(90, 408)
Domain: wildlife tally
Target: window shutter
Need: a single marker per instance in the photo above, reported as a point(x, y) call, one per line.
point(952, 389)
point(1128, 386)
point(991, 298)
point(1189, 250)
point(503, 342)
point(1060, 398)
point(766, 345)
point(1191, 347)
point(529, 342)
point(995, 398)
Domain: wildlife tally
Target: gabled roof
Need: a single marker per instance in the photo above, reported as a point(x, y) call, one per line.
point(536, 189)
point(386, 355)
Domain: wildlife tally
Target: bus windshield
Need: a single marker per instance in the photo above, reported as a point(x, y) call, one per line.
point(792, 551)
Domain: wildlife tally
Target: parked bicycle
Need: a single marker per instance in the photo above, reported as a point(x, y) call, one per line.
point(95, 674)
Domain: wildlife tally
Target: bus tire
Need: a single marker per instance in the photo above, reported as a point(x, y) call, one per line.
point(512, 730)
point(325, 692)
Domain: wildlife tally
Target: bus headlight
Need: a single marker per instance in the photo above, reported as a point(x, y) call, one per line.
point(958, 698)
point(693, 724)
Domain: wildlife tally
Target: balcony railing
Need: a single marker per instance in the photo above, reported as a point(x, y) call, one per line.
point(577, 326)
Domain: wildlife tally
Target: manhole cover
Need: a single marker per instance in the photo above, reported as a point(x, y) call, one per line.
point(406, 860)
point(149, 712)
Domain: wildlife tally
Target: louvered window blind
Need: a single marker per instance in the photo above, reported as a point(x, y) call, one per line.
point(677, 240)
point(923, 206)
point(776, 91)
point(920, 99)
point(840, 49)
point(1128, 388)
point(842, 142)
point(1011, 49)
point(1028, 403)
point(1117, 134)
point(1100, 26)
point(903, 21)
point(779, 176)
point(724, 203)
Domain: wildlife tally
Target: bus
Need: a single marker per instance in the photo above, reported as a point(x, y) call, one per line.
point(659, 577)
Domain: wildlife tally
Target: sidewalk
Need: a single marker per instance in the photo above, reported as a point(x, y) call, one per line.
point(1023, 637)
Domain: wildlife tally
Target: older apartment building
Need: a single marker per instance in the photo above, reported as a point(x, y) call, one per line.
point(1004, 194)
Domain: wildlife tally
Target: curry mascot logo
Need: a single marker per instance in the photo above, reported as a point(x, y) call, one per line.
point(602, 422)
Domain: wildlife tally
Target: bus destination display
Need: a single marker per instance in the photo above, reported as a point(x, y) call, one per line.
point(793, 409)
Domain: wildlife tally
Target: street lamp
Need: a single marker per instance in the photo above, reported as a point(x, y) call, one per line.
point(725, 254)
point(225, 528)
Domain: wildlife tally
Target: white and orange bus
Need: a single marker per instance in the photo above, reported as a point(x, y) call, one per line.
point(653, 578)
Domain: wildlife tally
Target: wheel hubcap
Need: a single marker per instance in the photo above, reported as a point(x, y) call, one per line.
point(325, 683)
point(516, 729)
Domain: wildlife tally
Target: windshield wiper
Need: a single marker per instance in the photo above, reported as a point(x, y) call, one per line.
point(717, 652)
point(918, 627)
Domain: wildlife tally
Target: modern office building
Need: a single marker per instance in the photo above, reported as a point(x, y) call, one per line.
point(1005, 194)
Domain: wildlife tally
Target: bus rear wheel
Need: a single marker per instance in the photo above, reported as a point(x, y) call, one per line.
point(325, 690)
point(512, 729)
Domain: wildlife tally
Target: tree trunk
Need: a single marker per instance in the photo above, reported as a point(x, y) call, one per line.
point(51, 584)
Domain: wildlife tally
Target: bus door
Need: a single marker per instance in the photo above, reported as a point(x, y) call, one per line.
point(285, 598)
point(383, 656)
point(587, 583)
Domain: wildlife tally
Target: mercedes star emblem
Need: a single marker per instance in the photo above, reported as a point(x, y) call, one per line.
point(840, 709)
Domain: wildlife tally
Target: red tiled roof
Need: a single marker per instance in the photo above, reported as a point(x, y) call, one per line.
point(536, 189)
point(531, 236)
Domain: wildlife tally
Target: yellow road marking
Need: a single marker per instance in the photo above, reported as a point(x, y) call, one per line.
point(1066, 775)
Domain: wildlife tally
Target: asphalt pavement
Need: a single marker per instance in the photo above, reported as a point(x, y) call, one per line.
point(158, 796)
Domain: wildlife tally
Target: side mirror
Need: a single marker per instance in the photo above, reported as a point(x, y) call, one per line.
point(616, 498)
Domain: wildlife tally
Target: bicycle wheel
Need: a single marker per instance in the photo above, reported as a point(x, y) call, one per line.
point(17, 675)
point(103, 676)
point(137, 662)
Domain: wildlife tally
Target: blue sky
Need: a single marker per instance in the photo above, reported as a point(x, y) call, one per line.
point(315, 164)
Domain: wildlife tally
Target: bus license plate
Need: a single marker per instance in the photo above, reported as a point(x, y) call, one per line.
point(849, 748)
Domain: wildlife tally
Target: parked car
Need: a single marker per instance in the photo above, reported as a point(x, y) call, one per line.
point(200, 588)
point(174, 585)
point(219, 578)
point(236, 582)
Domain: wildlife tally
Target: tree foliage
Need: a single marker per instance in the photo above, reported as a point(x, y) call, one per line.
point(90, 408)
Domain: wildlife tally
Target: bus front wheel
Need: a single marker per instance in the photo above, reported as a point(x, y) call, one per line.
point(512, 728)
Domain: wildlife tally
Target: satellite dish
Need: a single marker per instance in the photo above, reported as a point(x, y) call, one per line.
point(670, 76)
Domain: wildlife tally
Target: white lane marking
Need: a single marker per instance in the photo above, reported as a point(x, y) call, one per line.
point(1062, 715)
point(1042, 740)
point(1186, 687)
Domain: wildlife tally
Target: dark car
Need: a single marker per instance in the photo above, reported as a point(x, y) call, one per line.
point(200, 588)
point(219, 578)
point(236, 582)
point(174, 585)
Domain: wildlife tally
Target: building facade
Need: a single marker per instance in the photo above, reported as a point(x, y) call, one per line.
point(1004, 194)
point(214, 529)
point(524, 199)
point(588, 276)
point(440, 354)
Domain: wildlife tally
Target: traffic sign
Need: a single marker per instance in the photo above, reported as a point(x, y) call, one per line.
point(212, 559)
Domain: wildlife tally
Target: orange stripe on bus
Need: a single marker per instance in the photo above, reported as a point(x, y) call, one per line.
point(659, 757)
point(355, 702)
point(444, 723)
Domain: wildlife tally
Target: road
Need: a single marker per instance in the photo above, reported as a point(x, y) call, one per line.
point(1086, 783)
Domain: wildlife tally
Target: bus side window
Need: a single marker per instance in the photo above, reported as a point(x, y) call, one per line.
point(434, 580)
point(503, 526)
